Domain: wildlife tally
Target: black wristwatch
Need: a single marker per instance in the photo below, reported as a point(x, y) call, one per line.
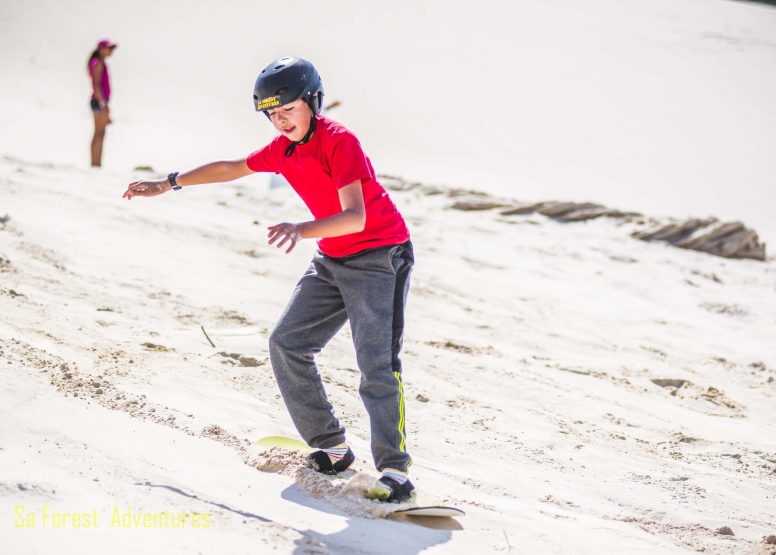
point(173, 183)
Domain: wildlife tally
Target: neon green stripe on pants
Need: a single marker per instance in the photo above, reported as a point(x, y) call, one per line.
point(403, 444)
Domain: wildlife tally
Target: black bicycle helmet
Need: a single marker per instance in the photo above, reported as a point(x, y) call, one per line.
point(286, 80)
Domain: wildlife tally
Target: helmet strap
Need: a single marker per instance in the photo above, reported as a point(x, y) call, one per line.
point(309, 135)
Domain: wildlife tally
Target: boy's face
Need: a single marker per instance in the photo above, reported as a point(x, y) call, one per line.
point(292, 120)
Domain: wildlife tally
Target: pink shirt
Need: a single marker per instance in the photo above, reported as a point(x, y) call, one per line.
point(105, 79)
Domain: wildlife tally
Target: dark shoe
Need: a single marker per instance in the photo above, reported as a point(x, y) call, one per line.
point(388, 489)
point(321, 462)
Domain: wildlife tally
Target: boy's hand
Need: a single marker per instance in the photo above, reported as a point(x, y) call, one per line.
point(147, 188)
point(287, 233)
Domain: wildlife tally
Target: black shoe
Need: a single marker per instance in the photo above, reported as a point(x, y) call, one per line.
point(388, 489)
point(321, 462)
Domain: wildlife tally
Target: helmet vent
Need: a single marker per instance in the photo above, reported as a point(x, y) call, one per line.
point(280, 66)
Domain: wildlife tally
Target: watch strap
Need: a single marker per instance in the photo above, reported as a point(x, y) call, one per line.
point(173, 183)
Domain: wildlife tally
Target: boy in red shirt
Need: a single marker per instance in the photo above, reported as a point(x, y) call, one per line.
point(360, 272)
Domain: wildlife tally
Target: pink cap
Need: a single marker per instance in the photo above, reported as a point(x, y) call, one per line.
point(105, 43)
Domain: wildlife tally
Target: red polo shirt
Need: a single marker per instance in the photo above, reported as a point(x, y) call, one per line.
point(317, 170)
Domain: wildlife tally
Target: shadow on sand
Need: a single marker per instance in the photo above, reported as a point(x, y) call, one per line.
point(399, 535)
point(192, 496)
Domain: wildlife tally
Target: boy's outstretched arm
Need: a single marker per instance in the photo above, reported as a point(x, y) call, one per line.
point(215, 172)
point(352, 219)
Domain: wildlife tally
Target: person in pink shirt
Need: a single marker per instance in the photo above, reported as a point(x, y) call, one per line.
point(98, 71)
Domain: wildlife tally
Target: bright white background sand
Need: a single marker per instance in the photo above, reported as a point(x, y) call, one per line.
point(535, 343)
point(662, 106)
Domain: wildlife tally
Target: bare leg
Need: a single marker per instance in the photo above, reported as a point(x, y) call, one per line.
point(100, 123)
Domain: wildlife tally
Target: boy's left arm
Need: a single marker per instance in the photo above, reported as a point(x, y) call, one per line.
point(352, 219)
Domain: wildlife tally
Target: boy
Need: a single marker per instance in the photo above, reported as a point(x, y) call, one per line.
point(360, 272)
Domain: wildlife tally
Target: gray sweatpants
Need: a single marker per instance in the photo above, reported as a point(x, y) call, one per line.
point(370, 288)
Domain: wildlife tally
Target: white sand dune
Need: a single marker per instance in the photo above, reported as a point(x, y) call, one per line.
point(660, 106)
point(572, 389)
point(532, 354)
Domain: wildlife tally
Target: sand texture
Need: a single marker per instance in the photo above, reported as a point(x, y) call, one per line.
point(590, 339)
point(569, 387)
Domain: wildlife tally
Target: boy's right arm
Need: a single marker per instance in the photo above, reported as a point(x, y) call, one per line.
point(215, 172)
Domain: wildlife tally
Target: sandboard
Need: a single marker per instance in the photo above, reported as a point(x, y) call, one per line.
point(296, 445)
point(437, 510)
point(284, 443)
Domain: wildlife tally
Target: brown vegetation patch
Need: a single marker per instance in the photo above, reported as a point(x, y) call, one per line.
point(245, 361)
point(449, 345)
point(730, 240)
point(155, 347)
